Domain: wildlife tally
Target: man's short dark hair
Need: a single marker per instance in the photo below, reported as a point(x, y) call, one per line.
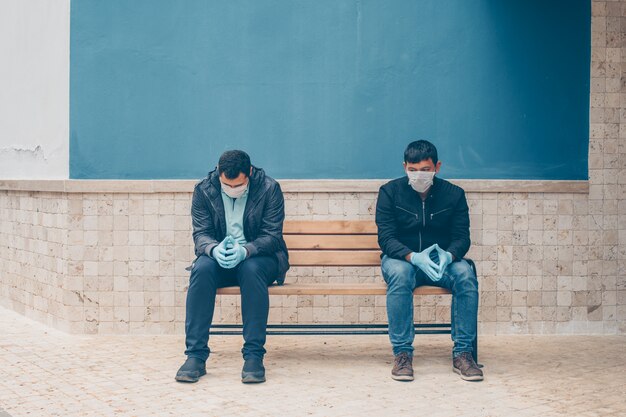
point(232, 163)
point(420, 150)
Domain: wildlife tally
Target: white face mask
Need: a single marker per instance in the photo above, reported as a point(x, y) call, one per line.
point(234, 192)
point(420, 181)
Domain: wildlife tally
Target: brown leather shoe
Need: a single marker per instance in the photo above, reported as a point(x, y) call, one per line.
point(465, 366)
point(402, 367)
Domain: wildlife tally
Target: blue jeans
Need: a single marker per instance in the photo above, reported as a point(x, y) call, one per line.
point(402, 278)
point(253, 276)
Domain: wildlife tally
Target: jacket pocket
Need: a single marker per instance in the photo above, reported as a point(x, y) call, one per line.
point(407, 218)
point(439, 212)
point(190, 267)
point(409, 212)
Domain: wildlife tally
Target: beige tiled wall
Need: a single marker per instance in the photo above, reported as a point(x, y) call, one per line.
point(115, 263)
point(33, 252)
point(548, 262)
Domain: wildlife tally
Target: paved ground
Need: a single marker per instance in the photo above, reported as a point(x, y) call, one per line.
point(49, 373)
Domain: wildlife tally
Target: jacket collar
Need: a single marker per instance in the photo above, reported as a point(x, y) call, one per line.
point(256, 191)
point(213, 191)
point(434, 189)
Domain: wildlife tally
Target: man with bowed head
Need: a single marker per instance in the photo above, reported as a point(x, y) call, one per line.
point(423, 231)
point(237, 214)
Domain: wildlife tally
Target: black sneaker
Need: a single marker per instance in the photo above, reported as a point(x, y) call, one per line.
point(465, 366)
point(253, 371)
point(402, 367)
point(191, 371)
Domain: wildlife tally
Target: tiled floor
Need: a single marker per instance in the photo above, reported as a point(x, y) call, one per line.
point(49, 373)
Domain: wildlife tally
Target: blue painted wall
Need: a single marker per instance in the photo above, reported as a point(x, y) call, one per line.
point(329, 88)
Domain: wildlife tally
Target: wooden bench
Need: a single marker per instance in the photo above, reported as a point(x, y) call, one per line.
point(334, 243)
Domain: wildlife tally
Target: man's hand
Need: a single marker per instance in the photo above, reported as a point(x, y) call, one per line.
point(223, 253)
point(445, 259)
point(239, 253)
point(422, 261)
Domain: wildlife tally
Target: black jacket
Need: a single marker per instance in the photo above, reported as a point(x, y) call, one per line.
point(407, 224)
point(262, 219)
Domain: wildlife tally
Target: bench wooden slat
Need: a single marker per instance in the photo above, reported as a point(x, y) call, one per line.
point(335, 289)
point(331, 241)
point(326, 227)
point(334, 258)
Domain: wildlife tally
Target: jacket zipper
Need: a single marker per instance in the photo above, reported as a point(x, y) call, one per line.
point(423, 221)
point(440, 211)
point(417, 217)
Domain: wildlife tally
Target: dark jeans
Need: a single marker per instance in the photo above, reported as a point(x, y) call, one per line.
point(253, 276)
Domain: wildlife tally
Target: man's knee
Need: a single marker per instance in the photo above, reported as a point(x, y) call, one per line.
point(204, 272)
point(256, 271)
point(398, 274)
point(463, 276)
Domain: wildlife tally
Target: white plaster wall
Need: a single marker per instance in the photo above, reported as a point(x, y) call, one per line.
point(34, 88)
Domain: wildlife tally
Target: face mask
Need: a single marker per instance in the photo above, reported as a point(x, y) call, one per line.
point(235, 192)
point(420, 181)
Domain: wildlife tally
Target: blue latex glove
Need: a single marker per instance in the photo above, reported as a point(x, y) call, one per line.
point(235, 255)
point(223, 253)
point(445, 259)
point(422, 261)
